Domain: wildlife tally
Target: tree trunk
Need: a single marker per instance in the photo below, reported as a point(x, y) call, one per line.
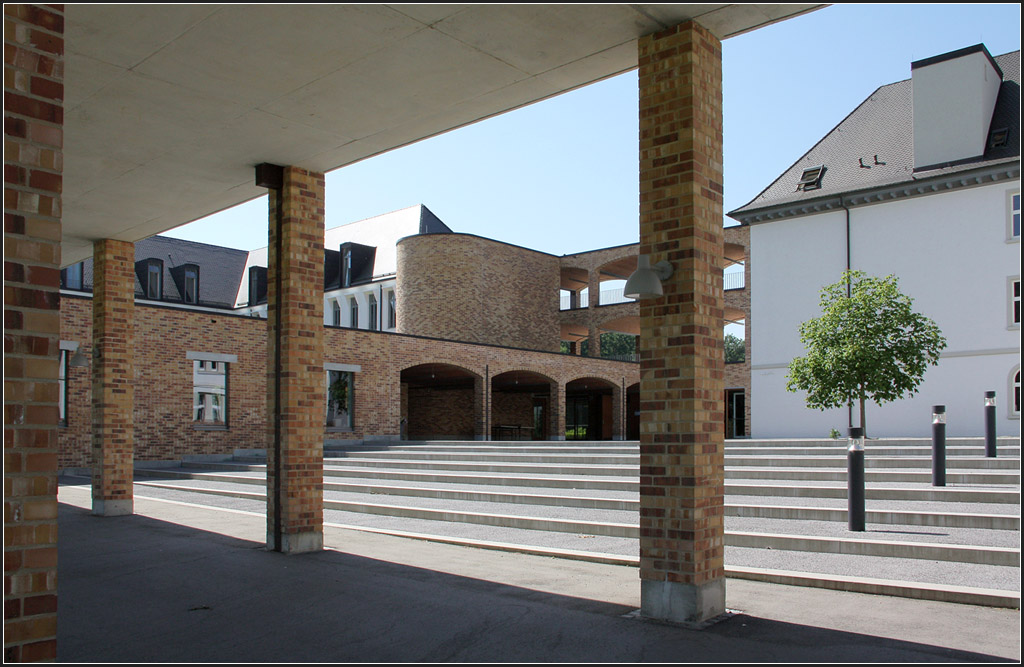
point(862, 413)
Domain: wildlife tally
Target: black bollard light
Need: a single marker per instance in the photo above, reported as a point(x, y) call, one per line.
point(990, 424)
point(855, 479)
point(938, 445)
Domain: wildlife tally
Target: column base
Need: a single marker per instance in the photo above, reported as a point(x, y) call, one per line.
point(113, 507)
point(682, 603)
point(298, 543)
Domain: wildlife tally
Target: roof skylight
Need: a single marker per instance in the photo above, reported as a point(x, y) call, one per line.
point(810, 179)
point(999, 137)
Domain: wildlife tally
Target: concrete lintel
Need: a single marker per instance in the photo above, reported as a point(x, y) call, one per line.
point(682, 603)
point(211, 356)
point(344, 368)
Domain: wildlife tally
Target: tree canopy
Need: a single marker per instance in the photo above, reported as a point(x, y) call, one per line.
point(735, 349)
point(868, 344)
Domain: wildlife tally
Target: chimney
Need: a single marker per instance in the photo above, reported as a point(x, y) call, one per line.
point(954, 97)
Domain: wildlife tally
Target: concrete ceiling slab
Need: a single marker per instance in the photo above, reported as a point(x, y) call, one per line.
point(169, 107)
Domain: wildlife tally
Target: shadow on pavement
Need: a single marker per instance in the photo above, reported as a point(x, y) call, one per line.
point(136, 589)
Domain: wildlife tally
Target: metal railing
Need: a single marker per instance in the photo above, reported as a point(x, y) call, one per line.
point(733, 281)
point(608, 297)
point(730, 281)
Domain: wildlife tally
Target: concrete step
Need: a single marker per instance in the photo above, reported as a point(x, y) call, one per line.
point(973, 553)
point(897, 517)
point(836, 473)
point(873, 475)
point(919, 490)
point(508, 455)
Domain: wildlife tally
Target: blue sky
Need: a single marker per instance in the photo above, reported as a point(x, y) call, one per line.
point(561, 176)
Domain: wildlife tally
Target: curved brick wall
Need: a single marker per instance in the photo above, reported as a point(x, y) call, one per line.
point(468, 288)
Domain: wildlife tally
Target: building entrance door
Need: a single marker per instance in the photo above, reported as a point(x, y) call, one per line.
point(735, 413)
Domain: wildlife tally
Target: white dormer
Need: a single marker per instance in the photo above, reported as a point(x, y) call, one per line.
point(954, 97)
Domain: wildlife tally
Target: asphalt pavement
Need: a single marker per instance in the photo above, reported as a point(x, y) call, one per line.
point(176, 582)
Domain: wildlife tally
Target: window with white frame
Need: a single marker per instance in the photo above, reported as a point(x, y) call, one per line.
point(340, 395)
point(191, 284)
point(335, 313)
point(392, 317)
point(67, 351)
point(1013, 301)
point(373, 313)
point(1013, 216)
point(1015, 394)
point(154, 279)
point(353, 313)
point(210, 388)
point(62, 384)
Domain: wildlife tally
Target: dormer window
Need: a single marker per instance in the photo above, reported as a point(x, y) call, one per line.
point(999, 138)
point(154, 279)
point(257, 284)
point(810, 179)
point(190, 293)
point(346, 267)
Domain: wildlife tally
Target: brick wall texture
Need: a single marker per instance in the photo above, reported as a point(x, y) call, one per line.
point(33, 137)
point(113, 391)
point(681, 430)
point(295, 370)
point(163, 381)
point(468, 288)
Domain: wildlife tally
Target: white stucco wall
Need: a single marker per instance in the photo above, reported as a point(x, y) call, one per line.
point(952, 256)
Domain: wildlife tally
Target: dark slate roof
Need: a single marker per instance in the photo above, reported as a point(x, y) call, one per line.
point(882, 127)
point(220, 269)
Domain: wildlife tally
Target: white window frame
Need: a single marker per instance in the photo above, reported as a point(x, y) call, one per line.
point(351, 370)
point(67, 349)
point(208, 362)
point(1013, 391)
point(1012, 209)
point(373, 311)
point(1013, 302)
point(191, 286)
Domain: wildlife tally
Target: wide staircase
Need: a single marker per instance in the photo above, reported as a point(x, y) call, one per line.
point(785, 506)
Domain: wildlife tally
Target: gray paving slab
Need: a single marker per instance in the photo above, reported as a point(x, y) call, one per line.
point(178, 583)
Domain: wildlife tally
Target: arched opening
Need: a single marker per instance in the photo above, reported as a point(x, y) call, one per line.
point(589, 409)
point(441, 402)
point(521, 406)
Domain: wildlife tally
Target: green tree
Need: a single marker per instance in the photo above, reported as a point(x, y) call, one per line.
point(735, 352)
point(867, 344)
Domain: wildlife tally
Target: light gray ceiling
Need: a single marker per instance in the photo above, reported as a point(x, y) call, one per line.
point(169, 107)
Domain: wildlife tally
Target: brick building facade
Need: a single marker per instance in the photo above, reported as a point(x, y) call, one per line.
point(442, 371)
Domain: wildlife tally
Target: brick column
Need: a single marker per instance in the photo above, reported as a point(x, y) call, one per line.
point(594, 290)
point(33, 136)
point(594, 341)
point(113, 393)
point(556, 407)
point(681, 365)
point(295, 373)
point(618, 396)
point(480, 394)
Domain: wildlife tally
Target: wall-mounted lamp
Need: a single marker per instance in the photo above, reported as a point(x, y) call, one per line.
point(78, 359)
point(645, 283)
